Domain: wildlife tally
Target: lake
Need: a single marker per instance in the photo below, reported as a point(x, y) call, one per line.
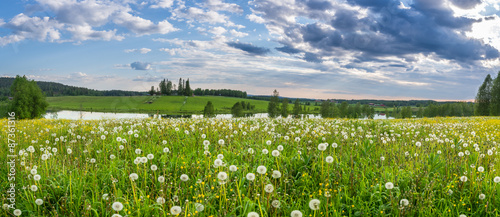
point(84, 115)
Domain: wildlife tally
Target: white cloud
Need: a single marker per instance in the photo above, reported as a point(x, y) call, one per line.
point(163, 4)
point(25, 27)
point(85, 32)
point(219, 5)
point(141, 26)
point(238, 34)
point(218, 30)
point(199, 15)
point(142, 50)
point(140, 66)
point(255, 18)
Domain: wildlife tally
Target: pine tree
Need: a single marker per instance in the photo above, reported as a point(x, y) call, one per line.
point(237, 110)
point(28, 100)
point(169, 87)
point(296, 108)
point(272, 107)
point(187, 89)
point(163, 87)
point(325, 109)
point(284, 108)
point(209, 111)
point(180, 88)
point(152, 91)
point(484, 98)
point(495, 97)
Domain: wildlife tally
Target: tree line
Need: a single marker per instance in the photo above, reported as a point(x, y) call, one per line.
point(168, 89)
point(488, 97)
point(238, 109)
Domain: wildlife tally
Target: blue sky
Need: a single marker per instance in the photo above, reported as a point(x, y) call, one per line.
point(343, 49)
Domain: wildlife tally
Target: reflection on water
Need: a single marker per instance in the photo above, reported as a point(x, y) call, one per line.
point(83, 115)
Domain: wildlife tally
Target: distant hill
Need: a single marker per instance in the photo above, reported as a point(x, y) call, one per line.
point(58, 89)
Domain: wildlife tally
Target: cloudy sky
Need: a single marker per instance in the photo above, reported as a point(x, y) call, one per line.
point(350, 49)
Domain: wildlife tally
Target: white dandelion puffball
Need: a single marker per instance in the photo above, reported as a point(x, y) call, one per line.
point(45, 156)
point(389, 185)
point(137, 160)
point(150, 156)
point(482, 196)
point(154, 167)
point(184, 177)
point(206, 142)
point(329, 159)
point(276, 174)
point(460, 154)
point(103, 137)
point(480, 169)
point(462, 215)
point(144, 160)
point(34, 188)
point(496, 179)
point(69, 151)
point(265, 151)
point(121, 147)
point(220, 156)
point(418, 144)
point(334, 145)
point(250, 176)
point(112, 156)
point(117, 206)
point(175, 210)
point(133, 176)
point(39, 202)
point(280, 148)
point(160, 200)
point(118, 139)
point(262, 170)
point(116, 215)
point(217, 162)
point(275, 153)
point(296, 213)
point(233, 168)
point(138, 151)
point(322, 147)
point(404, 202)
point(33, 171)
point(105, 196)
point(463, 178)
point(17, 212)
point(253, 214)
point(161, 179)
point(166, 150)
point(314, 204)
point(92, 160)
point(222, 176)
point(250, 150)
point(268, 142)
point(276, 203)
point(199, 207)
point(382, 158)
point(37, 177)
point(221, 142)
point(269, 188)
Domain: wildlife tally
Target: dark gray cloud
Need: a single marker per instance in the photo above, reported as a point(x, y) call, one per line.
point(288, 49)
point(140, 66)
point(466, 4)
point(249, 48)
point(319, 5)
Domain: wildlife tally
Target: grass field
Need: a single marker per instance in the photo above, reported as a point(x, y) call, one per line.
point(254, 167)
point(164, 104)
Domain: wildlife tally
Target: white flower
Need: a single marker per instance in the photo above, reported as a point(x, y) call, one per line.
point(34, 188)
point(160, 200)
point(334, 145)
point(116, 215)
point(69, 151)
point(253, 214)
point(17, 212)
point(439, 152)
point(222, 176)
point(217, 162)
point(154, 167)
point(314, 204)
point(112, 156)
point(121, 147)
point(404, 202)
point(184, 177)
point(275, 153)
point(460, 154)
point(250, 150)
point(233, 168)
point(199, 207)
point(45, 156)
point(280, 148)
point(144, 160)
point(482, 196)
point(221, 142)
point(418, 144)
point(166, 150)
point(133, 176)
point(276, 203)
point(36, 177)
point(480, 169)
point(296, 213)
point(118, 139)
point(161, 179)
point(33, 171)
point(138, 151)
point(261, 170)
point(117, 206)
point(462, 215)
point(103, 137)
point(463, 178)
point(265, 151)
point(92, 160)
point(220, 156)
point(496, 179)
point(329, 159)
point(150, 156)
point(268, 142)
point(276, 174)
point(175, 210)
point(322, 147)
point(206, 142)
point(389, 185)
point(39, 202)
point(105, 196)
point(250, 176)
point(382, 158)
point(269, 188)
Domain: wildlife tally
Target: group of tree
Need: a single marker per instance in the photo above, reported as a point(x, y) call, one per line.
point(488, 97)
point(220, 92)
point(275, 109)
point(239, 107)
point(58, 89)
point(345, 110)
point(166, 88)
point(28, 100)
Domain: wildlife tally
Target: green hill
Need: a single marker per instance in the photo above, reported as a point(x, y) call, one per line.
point(150, 104)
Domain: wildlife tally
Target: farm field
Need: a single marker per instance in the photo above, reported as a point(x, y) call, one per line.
point(163, 104)
point(255, 167)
